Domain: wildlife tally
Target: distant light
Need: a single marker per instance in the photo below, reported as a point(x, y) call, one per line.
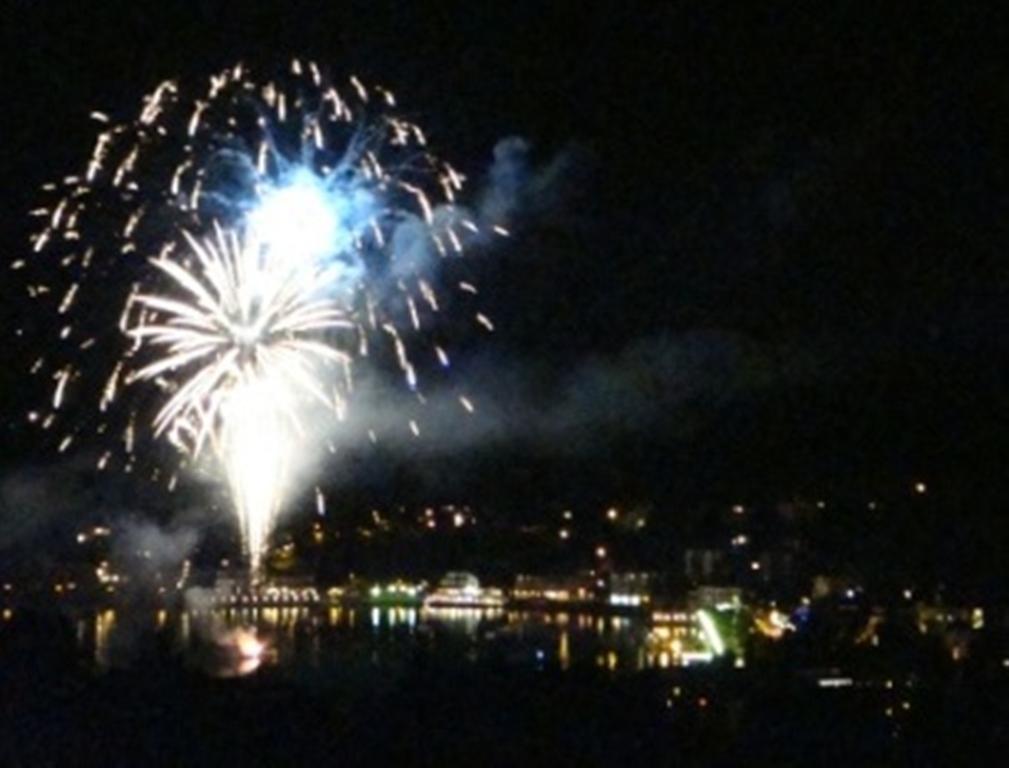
point(977, 618)
point(849, 593)
point(738, 509)
point(821, 505)
point(629, 600)
point(908, 594)
point(458, 519)
point(920, 487)
point(872, 505)
point(612, 513)
point(755, 565)
point(564, 533)
point(835, 682)
point(567, 514)
point(689, 657)
point(600, 552)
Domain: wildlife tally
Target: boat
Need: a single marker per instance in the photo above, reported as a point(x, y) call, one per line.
point(459, 589)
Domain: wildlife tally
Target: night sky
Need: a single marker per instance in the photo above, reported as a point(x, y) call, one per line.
point(760, 251)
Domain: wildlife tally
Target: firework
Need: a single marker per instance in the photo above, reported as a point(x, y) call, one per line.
point(221, 266)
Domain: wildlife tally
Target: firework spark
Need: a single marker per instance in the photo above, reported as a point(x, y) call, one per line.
point(245, 346)
point(264, 238)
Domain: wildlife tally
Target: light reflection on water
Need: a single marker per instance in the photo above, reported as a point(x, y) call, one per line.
point(295, 637)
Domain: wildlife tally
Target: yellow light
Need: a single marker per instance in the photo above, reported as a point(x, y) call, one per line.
point(612, 513)
point(977, 618)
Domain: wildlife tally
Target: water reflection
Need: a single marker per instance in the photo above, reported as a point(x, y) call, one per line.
point(327, 638)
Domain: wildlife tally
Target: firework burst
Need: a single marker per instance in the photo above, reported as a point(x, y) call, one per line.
point(227, 259)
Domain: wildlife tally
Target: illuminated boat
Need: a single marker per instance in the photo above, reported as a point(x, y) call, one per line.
point(462, 590)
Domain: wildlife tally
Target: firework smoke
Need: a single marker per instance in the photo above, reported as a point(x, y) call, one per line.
point(221, 265)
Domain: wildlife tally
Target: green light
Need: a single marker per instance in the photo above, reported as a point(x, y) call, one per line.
point(711, 632)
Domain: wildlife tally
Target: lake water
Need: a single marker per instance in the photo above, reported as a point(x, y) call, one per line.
point(298, 638)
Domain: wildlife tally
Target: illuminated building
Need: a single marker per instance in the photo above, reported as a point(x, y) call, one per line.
point(560, 590)
point(395, 593)
point(714, 597)
point(679, 638)
point(279, 591)
point(631, 590)
point(701, 565)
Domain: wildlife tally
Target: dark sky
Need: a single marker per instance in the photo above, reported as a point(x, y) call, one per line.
point(769, 257)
